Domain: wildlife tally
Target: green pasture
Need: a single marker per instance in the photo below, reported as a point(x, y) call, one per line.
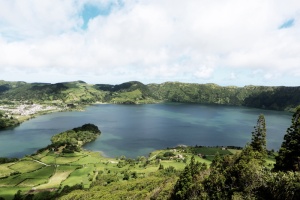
point(40, 155)
point(270, 162)
point(106, 166)
point(234, 151)
point(61, 173)
point(31, 182)
point(83, 167)
point(11, 181)
point(211, 151)
point(145, 170)
point(67, 159)
point(88, 159)
point(81, 176)
point(49, 159)
point(43, 173)
point(75, 154)
point(5, 170)
point(125, 96)
point(8, 192)
point(26, 166)
point(29, 179)
point(175, 164)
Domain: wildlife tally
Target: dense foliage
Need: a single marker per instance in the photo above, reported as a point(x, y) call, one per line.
point(78, 136)
point(189, 184)
point(258, 142)
point(245, 175)
point(289, 154)
point(8, 160)
point(67, 93)
point(7, 121)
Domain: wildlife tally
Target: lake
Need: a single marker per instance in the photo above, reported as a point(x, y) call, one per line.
point(135, 130)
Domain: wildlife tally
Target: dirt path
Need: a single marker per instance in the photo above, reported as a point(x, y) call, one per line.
point(41, 162)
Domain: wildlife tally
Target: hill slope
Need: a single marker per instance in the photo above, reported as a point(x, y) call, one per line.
point(276, 98)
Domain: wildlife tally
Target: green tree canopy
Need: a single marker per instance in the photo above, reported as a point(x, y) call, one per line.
point(258, 142)
point(288, 158)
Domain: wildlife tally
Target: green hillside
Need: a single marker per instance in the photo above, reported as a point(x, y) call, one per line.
point(79, 92)
point(68, 92)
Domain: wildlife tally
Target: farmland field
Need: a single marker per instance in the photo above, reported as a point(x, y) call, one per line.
point(80, 176)
point(5, 170)
point(62, 172)
point(26, 166)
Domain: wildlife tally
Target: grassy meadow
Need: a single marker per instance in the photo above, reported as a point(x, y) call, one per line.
point(52, 171)
point(48, 170)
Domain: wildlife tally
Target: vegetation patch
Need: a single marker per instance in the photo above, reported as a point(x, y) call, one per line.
point(61, 173)
point(26, 166)
point(31, 182)
point(67, 159)
point(44, 173)
point(49, 159)
point(88, 159)
point(82, 176)
point(8, 192)
point(5, 170)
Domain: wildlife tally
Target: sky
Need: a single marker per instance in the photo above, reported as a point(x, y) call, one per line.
point(227, 42)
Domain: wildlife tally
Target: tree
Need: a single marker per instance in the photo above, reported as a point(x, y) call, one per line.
point(18, 195)
point(236, 177)
point(258, 142)
point(288, 158)
point(189, 185)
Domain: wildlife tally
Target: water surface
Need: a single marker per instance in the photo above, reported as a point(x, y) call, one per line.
point(134, 130)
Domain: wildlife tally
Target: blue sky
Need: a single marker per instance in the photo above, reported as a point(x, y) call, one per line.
point(233, 42)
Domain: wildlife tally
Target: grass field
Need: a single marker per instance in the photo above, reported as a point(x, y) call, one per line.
point(81, 176)
point(270, 162)
point(88, 159)
point(49, 159)
point(43, 173)
point(234, 151)
point(83, 168)
point(11, 181)
point(5, 170)
point(62, 172)
point(35, 178)
point(8, 192)
point(211, 151)
point(26, 166)
point(67, 159)
point(40, 155)
point(31, 182)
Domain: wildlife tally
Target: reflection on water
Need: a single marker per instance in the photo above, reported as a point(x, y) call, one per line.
point(134, 130)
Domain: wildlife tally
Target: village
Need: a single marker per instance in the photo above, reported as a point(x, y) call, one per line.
point(27, 109)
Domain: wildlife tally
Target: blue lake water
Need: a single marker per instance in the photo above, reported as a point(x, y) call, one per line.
point(135, 130)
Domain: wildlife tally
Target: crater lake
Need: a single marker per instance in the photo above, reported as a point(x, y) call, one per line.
point(136, 130)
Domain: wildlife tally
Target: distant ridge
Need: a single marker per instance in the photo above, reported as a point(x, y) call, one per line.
point(134, 92)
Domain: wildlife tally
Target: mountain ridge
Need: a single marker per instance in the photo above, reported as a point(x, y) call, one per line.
point(135, 92)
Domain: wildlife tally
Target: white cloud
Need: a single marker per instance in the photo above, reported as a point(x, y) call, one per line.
point(152, 40)
point(233, 76)
point(204, 72)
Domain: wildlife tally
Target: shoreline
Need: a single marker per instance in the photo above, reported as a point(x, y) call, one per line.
point(79, 107)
